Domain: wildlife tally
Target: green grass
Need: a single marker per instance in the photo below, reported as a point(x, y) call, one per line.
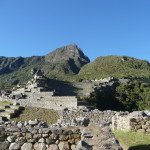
point(59, 101)
point(31, 113)
point(133, 140)
point(5, 102)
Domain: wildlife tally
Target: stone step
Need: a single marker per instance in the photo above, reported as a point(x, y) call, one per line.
point(11, 110)
point(7, 111)
point(4, 106)
point(15, 107)
point(7, 115)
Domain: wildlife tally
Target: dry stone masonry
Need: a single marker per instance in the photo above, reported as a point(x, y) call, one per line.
point(138, 121)
point(9, 110)
point(71, 116)
point(59, 95)
point(78, 128)
point(36, 93)
point(37, 135)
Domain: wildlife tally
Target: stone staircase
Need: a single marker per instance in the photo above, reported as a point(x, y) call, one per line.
point(9, 110)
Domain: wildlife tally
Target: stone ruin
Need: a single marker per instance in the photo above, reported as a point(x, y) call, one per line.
point(37, 135)
point(76, 129)
point(36, 85)
point(36, 93)
point(138, 121)
point(92, 125)
point(9, 110)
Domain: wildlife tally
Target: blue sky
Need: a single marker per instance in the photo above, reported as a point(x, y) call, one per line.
point(98, 27)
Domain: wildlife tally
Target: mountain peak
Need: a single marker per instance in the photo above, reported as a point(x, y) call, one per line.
point(71, 51)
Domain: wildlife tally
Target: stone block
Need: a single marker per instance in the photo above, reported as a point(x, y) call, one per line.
point(142, 122)
point(49, 141)
point(41, 140)
point(141, 130)
point(44, 131)
point(144, 127)
point(21, 140)
point(32, 140)
point(4, 145)
point(37, 136)
point(45, 135)
point(63, 137)
point(14, 146)
point(40, 146)
point(132, 119)
point(53, 147)
point(148, 131)
point(28, 135)
point(138, 127)
point(27, 146)
point(11, 139)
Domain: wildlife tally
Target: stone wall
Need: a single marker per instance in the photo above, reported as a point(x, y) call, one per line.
point(37, 135)
point(56, 103)
point(135, 121)
point(95, 116)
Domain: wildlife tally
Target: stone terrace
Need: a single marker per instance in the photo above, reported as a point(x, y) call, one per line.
point(9, 110)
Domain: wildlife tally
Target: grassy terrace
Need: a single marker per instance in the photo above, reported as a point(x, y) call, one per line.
point(5, 103)
point(133, 140)
point(31, 113)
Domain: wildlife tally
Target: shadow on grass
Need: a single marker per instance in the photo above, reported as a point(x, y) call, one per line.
point(140, 147)
point(63, 88)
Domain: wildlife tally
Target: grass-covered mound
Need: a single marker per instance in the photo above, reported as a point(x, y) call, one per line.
point(31, 113)
point(116, 66)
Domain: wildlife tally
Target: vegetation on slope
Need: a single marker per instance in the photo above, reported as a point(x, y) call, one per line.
point(133, 95)
point(60, 64)
point(130, 96)
point(115, 66)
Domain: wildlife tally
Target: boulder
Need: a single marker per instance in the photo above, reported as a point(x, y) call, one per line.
point(14, 146)
point(40, 146)
point(11, 139)
point(53, 147)
point(33, 122)
point(4, 145)
point(137, 114)
point(27, 146)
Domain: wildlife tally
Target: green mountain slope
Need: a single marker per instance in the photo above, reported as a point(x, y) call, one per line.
point(116, 66)
point(62, 63)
